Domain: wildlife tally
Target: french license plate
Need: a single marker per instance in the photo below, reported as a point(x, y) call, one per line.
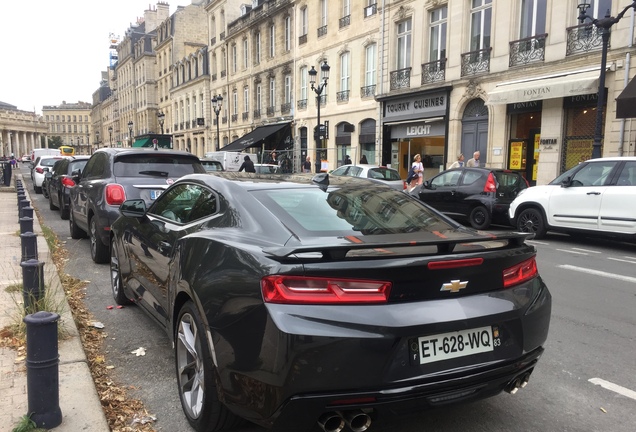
point(455, 344)
point(154, 194)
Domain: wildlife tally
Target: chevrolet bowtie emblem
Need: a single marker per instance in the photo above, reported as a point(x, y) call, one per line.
point(454, 286)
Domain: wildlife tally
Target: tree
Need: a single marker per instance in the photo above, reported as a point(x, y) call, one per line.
point(55, 142)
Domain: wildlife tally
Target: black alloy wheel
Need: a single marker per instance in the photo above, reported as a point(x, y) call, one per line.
point(479, 218)
point(99, 252)
point(115, 277)
point(531, 220)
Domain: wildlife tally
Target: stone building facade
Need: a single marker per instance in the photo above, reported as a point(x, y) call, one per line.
point(20, 131)
point(72, 123)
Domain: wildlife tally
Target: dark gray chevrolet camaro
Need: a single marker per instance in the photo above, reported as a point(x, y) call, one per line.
point(299, 299)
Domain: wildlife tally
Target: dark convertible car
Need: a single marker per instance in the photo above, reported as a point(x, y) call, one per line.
point(294, 300)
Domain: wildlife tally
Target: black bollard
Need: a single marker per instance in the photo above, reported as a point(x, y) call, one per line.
point(32, 282)
point(26, 223)
point(27, 212)
point(21, 196)
point(29, 241)
point(42, 365)
point(24, 203)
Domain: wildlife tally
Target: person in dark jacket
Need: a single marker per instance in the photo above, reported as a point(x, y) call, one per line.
point(347, 160)
point(247, 165)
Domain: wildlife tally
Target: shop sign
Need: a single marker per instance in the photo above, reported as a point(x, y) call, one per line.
point(420, 106)
point(416, 130)
point(524, 107)
point(516, 155)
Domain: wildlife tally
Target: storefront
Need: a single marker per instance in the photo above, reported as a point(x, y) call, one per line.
point(416, 124)
point(523, 143)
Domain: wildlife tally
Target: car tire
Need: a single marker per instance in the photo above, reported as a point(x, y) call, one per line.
point(195, 375)
point(479, 218)
point(64, 210)
point(115, 277)
point(76, 232)
point(37, 189)
point(99, 251)
point(51, 205)
point(45, 191)
point(531, 220)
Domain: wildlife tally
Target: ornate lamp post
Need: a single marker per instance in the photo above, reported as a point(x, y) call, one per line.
point(319, 130)
point(604, 25)
point(88, 142)
point(110, 135)
point(161, 117)
point(77, 151)
point(97, 139)
point(217, 103)
point(130, 132)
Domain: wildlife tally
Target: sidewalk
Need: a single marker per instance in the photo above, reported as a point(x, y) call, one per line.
point(79, 401)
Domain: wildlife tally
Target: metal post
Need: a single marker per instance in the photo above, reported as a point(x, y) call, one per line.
point(26, 223)
point(32, 282)
point(29, 244)
point(42, 364)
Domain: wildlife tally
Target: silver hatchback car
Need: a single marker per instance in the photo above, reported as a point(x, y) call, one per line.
point(379, 174)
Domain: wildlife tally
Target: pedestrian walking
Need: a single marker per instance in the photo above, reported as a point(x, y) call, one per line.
point(458, 163)
point(474, 162)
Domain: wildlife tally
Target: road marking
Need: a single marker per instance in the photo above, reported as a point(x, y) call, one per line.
point(538, 242)
point(586, 250)
point(598, 273)
point(571, 251)
point(631, 261)
point(614, 387)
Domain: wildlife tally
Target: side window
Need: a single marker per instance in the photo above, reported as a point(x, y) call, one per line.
point(471, 177)
point(628, 175)
point(185, 203)
point(92, 169)
point(450, 178)
point(593, 174)
point(354, 171)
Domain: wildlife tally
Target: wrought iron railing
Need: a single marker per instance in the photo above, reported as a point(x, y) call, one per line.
point(370, 10)
point(434, 71)
point(213, 40)
point(401, 78)
point(223, 73)
point(285, 108)
point(475, 62)
point(367, 91)
point(234, 118)
point(224, 120)
point(257, 113)
point(527, 50)
point(246, 116)
point(322, 31)
point(345, 21)
point(270, 110)
point(213, 77)
point(222, 36)
point(583, 38)
point(302, 39)
point(302, 104)
point(342, 96)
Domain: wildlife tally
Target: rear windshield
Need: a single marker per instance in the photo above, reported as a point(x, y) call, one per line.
point(344, 210)
point(383, 174)
point(510, 180)
point(156, 165)
point(77, 165)
point(212, 165)
point(48, 162)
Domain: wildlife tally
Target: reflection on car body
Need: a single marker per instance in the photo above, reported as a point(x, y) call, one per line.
point(299, 300)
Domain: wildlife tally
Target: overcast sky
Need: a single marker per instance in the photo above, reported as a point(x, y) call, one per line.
point(54, 51)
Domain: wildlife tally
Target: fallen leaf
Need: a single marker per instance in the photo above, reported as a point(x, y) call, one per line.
point(109, 307)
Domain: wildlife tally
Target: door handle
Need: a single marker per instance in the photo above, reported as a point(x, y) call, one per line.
point(593, 193)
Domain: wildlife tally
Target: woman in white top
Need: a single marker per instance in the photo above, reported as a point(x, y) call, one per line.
point(418, 169)
point(458, 163)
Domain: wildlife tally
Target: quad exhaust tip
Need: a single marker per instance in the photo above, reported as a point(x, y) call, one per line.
point(518, 383)
point(357, 420)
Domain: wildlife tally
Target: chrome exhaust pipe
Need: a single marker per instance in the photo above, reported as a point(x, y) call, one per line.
point(518, 383)
point(357, 420)
point(331, 422)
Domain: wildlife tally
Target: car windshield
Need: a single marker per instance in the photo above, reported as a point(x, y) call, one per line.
point(48, 162)
point(160, 165)
point(383, 173)
point(341, 211)
point(510, 180)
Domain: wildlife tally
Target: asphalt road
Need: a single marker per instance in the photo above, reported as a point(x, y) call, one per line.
point(592, 337)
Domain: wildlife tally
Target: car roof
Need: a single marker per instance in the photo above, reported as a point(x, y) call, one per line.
point(613, 158)
point(141, 150)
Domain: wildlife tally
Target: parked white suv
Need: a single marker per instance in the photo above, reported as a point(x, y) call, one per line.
point(596, 196)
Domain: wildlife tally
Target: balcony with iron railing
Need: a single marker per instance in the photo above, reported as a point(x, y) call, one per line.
point(223, 120)
point(222, 36)
point(475, 62)
point(223, 73)
point(434, 71)
point(370, 10)
point(322, 31)
point(401, 78)
point(367, 91)
point(584, 38)
point(302, 39)
point(271, 110)
point(302, 104)
point(246, 116)
point(257, 113)
point(285, 108)
point(213, 77)
point(345, 21)
point(342, 96)
point(527, 50)
point(234, 118)
point(213, 40)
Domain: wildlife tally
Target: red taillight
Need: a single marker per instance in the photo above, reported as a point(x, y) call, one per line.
point(520, 273)
point(67, 182)
point(491, 185)
point(314, 290)
point(115, 194)
point(39, 170)
point(439, 265)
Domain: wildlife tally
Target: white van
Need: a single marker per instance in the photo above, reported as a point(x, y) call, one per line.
point(35, 153)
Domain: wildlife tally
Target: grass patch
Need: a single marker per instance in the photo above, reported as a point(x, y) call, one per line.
point(14, 288)
point(27, 425)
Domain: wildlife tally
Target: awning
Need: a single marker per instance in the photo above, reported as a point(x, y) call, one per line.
point(626, 101)
point(545, 88)
point(256, 138)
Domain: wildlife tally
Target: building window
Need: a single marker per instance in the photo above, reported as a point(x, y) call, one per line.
point(303, 21)
point(288, 89)
point(246, 99)
point(533, 13)
point(480, 23)
point(259, 104)
point(323, 13)
point(303, 83)
point(370, 65)
point(272, 93)
point(235, 103)
point(344, 71)
point(257, 47)
point(598, 8)
point(287, 34)
point(234, 59)
point(404, 44)
point(437, 50)
point(272, 41)
point(245, 54)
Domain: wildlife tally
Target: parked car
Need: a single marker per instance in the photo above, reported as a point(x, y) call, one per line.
point(375, 173)
point(267, 169)
point(113, 175)
point(35, 153)
point(42, 165)
point(477, 195)
point(59, 181)
point(212, 165)
point(292, 300)
point(25, 158)
point(597, 196)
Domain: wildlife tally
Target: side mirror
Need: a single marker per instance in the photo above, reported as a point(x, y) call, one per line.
point(133, 208)
point(567, 182)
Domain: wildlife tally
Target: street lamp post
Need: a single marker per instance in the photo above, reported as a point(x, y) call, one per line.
point(217, 103)
point(130, 132)
point(604, 25)
point(78, 146)
point(110, 135)
point(161, 117)
point(97, 139)
point(88, 142)
point(318, 132)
